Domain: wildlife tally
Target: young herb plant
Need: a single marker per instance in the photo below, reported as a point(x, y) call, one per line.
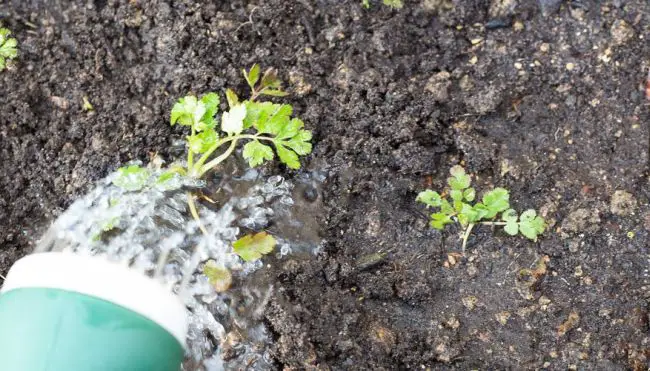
point(7, 47)
point(264, 126)
point(395, 4)
point(462, 209)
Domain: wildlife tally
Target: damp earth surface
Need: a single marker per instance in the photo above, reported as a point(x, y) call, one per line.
point(545, 98)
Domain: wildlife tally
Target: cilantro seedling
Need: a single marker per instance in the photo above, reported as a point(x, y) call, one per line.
point(268, 129)
point(457, 205)
point(395, 4)
point(8, 48)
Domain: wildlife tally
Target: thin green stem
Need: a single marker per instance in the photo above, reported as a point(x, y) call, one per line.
point(199, 168)
point(493, 223)
point(190, 153)
point(194, 212)
point(466, 235)
point(217, 160)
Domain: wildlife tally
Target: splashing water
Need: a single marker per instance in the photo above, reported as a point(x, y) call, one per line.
point(152, 231)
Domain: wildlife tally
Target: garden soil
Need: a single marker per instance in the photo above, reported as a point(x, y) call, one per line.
point(543, 97)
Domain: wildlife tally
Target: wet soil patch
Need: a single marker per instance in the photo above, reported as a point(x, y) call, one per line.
point(543, 97)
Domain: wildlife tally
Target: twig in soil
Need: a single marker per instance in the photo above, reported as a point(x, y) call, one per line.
point(250, 21)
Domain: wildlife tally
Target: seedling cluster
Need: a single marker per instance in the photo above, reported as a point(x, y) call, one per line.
point(264, 126)
point(7, 47)
point(457, 205)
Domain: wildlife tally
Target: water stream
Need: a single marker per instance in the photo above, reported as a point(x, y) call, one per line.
point(152, 231)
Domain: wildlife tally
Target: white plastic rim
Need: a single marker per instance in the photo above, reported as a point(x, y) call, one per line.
point(102, 279)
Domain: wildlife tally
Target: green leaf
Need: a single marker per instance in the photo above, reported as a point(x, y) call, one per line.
point(459, 180)
point(509, 215)
point(496, 201)
point(531, 225)
point(469, 194)
point(511, 228)
point(429, 198)
point(187, 111)
point(131, 178)
point(257, 111)
point(256, 153)
point(446, 208)
point(218, 276)
point(395, 4)
point(202, 141)
point(232, 98)
point(439, 220)
point(290, 129)
point(252, 76)
point(274, 92)
point(287, 156)
point(276, 121)
point(469, 214)
point(211, 102)
point(252, 247)
point(300, 143)
point(456, 194)
point(7, 47)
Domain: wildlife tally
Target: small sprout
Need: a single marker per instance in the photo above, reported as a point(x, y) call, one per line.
point(460, 209)
point(252, 247)
point(131, 178)
point(220, 277)
point(395, 4)
point(87, 106)
point(8, 48)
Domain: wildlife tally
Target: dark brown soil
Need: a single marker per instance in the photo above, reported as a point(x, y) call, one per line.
point(547, 103)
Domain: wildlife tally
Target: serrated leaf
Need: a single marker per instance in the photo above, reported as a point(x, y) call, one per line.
point(232, 98)
point(300, 143)
point(8, 48)
point(211, 102)
point(458, 180)
point(131, 178)
point(218, 276)
point(429, 198)
point(187, 111)
point(202, 141)
point(232, 121)
point(252, 76)
point(287, 156)
point(469, 194)
point(531, 225)
point(291, 129)
point(496, 201)
point(256, 153)
point(274, 93)
point(276, 121)
point(252, 247)
point(439, 220)
point(257, 111)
